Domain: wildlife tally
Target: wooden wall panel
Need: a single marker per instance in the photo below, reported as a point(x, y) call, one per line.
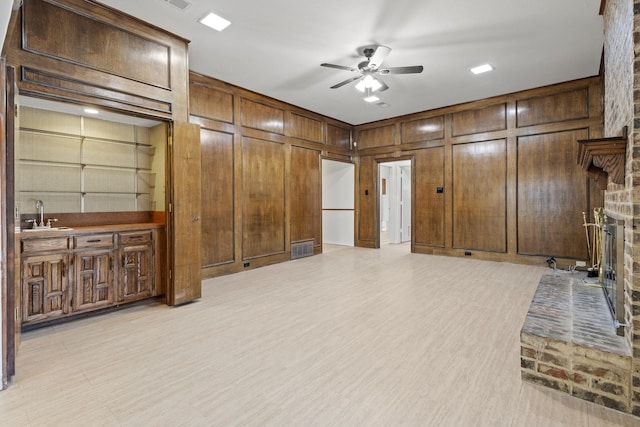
point(376, 137)
point(306, 128)
point(367, 206)
point(480, 195)
point(306, 197)
point(217, 197)
point(552, 194)
point(512, 188)
point(88, 53)
point(261, 116)
point(480, 120)
point(273, 179)
point(263, 192)
point(429, 204)
point(553, 108)
point(423, 130)
point(339, 137)
point(92, 43)
point(210, 103)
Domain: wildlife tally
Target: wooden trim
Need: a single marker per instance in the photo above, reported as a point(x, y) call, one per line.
point(7, 286)
point(9, 203)
point(4, 306)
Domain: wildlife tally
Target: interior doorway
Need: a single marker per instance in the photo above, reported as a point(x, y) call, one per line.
point(395, 202)
point(338, 202)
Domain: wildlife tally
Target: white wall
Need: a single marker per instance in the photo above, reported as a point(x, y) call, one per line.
point(338, 201)
point(5, 14)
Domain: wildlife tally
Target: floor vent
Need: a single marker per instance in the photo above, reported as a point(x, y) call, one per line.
point(180, 4)
point(301, 249)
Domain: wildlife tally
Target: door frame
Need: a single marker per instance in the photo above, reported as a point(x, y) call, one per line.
point(8, 313)
point(378, 160)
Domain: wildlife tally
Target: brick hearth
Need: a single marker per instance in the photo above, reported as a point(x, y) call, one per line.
point(568, 342)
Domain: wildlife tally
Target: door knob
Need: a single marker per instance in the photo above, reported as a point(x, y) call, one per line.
point(196, 218)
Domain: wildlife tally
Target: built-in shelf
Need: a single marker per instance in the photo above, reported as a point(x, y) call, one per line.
point(604, 158)
point(75, 164)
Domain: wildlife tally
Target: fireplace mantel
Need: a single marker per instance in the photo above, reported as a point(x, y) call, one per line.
point(604, 158)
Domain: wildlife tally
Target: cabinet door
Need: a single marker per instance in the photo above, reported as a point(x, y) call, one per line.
point(45, 287)
point(185, 249)
point(93, 285)
point(136, 274)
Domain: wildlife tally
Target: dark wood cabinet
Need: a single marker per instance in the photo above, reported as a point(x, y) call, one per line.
point(45, 286)
point(85, 271)
point(137, 266)
point(93, 285)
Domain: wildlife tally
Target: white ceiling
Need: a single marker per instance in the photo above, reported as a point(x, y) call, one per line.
point(275, 47)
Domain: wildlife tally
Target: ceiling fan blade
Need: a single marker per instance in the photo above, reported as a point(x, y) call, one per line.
point(352, 79)
point(384, 85)
point(378, 57)
point(412, 69)
point(339, 67)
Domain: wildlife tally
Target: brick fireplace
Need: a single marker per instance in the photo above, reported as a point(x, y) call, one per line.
point(562, 360)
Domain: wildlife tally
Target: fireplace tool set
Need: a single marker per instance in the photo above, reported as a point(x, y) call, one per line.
point(593, 233)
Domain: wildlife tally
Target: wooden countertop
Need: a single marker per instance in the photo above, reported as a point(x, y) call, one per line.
point(111, 228)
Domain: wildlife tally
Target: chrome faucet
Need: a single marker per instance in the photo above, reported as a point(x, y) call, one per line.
point(40, 224)
point(40, 207)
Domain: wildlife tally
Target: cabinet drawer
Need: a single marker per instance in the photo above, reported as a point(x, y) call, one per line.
point(44, 245)
point(135, 237)
point(93, 241)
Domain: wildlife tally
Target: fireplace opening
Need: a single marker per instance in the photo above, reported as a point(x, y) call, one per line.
point(611, 274)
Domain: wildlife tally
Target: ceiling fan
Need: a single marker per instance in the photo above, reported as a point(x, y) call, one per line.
point(369, 70)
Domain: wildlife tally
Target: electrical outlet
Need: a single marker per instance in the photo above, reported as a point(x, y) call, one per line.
point(581, 263)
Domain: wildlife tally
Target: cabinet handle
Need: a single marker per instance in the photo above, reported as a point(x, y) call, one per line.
point(93, 241)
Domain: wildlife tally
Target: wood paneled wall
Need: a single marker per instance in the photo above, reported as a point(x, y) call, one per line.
point(495, 179)
point(261, 174)
point(124, 64)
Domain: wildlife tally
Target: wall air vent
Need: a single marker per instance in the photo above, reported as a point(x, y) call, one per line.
point(302, 249)
point(180, 4)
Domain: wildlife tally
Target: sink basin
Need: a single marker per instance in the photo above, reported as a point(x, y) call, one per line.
point(31, 230)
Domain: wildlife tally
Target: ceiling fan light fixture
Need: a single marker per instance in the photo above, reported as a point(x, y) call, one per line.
point(368, 82)
point(484, 68)
point(371, 98)
point(214, 21)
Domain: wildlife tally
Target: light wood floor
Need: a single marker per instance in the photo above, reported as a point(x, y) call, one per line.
point(353, 337)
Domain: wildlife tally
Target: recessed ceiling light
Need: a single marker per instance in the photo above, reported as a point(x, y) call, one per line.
point(214, 21)
point(482, 69)
point(91, 111)
point(371, 98)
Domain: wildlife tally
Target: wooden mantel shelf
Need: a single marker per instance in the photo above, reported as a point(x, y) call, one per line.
point(604, 158)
